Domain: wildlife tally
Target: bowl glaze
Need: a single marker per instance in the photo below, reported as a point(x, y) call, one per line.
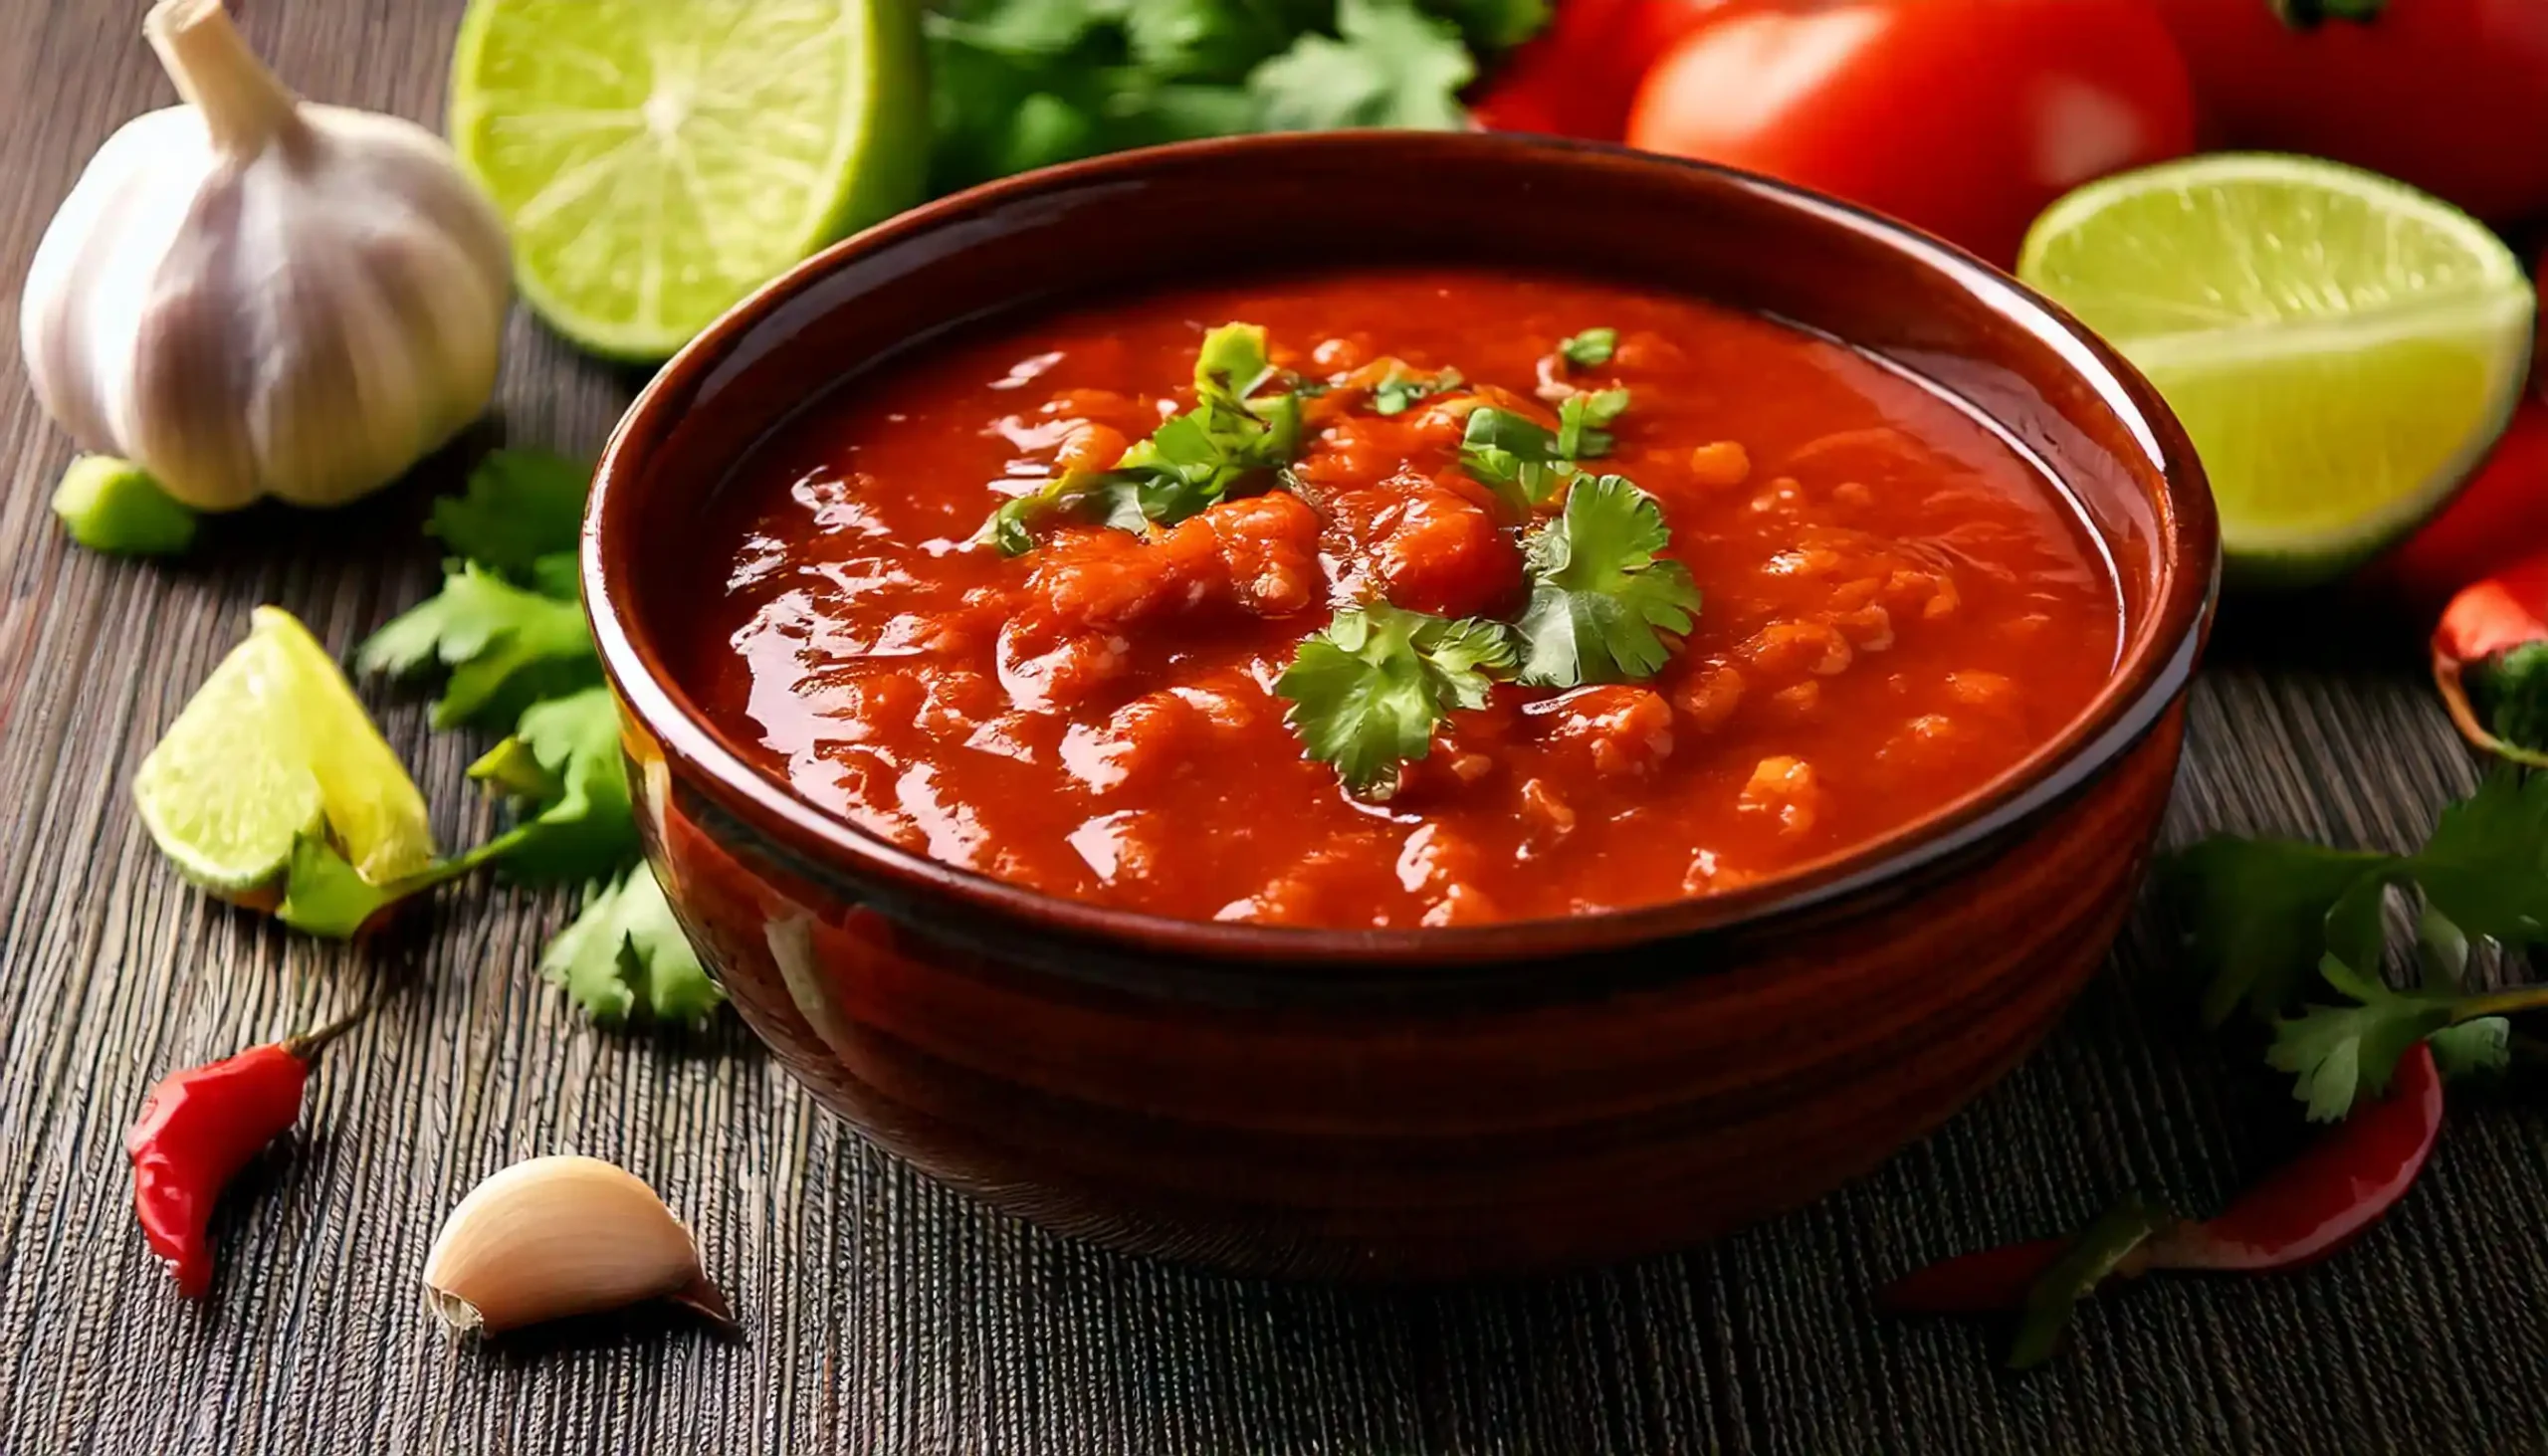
point(1409, 1103)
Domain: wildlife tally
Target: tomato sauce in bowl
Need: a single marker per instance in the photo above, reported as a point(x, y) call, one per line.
point(1893, 606)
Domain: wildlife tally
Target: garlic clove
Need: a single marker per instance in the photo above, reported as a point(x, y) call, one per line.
point(558, 1236)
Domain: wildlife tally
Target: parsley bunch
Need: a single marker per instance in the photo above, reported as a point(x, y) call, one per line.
point(509, 632)
point(2274, 925)
point(1023, 84)
point(1190, 463)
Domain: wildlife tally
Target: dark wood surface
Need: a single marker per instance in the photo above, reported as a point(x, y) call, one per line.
point(889, 1315)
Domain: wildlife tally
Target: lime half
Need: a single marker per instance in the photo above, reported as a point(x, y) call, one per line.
point(659, 159)
point(271, 747)
point(2342, 349)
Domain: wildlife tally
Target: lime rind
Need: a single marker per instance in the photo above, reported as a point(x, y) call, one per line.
point(2342, 349)
point(659, 162)
point(272, 749)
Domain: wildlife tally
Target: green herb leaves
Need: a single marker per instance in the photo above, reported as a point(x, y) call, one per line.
point(1399, 391)
point(1023, 84)
point(1190, 463)
point(1390, 65)
point(1600, 598)
point(507, 627)
point(625, 957)
point(1368, 693)
point(1523, 461)
point(1589, 349)
point(2263, 918)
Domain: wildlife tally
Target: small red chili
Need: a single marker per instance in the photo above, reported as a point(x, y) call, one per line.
point(2297, 1214)
point(198, 1128)
point(2491, 662)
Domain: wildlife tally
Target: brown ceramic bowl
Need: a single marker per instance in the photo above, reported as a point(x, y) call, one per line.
point(1408, 1102)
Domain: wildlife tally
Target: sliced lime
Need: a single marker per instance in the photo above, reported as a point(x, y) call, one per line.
point(113, 505)
point(659, 159)
point(2342, 349)
point(273, 748)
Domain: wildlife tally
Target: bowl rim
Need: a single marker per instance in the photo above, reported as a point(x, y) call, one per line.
point(2154, 665)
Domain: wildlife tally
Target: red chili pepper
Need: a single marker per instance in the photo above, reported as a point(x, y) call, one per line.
point(2297, 1214)
point(2326, 1197)
point(198, 1128)
point(2496, 691)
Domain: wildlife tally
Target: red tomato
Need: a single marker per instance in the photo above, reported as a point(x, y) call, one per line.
point(1576, 78)
point(2449, 94)
point(1961, 117)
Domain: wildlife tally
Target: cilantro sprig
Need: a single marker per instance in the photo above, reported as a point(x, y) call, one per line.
point(1601, 597)
point(1399, 391)
point(1590, 348)
point(1368, 693)
point(1523, 461)
point(1192, 462)
point(2275, 924)
point(509, 633)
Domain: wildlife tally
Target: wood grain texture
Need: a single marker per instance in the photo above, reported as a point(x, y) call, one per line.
point(889, 1315)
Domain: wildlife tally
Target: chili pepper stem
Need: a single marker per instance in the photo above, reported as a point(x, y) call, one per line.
point(2503, 1003)
point(2448, 680)
point(306, 1045)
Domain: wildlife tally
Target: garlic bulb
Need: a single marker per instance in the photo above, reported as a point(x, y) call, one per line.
point(557, 1237)
point(249, 295)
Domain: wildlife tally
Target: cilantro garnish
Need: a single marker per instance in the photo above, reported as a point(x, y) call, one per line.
point(521, 509)
point(563, 761)
point(1368, 693)
point(1524, 460)
point(1190, 461)
point(1582, 422)
point(508, 625)
point(506, 646)
point(1399, 391)
point(2264, 920)
point(1590, 348)
point(1023, 83)
point(625, 957)
point(1389, 64)
point(1600, 598)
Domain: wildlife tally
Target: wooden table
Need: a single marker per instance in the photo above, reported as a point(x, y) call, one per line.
point(887, 1314)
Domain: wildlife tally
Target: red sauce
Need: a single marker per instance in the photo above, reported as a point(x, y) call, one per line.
point(1897, 608)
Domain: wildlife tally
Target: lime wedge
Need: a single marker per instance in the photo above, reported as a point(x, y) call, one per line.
point(273, 748)
point(2342, 349)
point(659, 159)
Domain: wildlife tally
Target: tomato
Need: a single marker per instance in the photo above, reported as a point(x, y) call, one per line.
point(1576, 78)
point(1961, 117)
point(2501, 516)
point(2449, 94)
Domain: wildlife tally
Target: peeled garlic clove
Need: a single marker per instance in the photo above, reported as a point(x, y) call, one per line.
point(560, 1236)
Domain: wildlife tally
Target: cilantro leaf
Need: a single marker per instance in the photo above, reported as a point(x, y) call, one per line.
point(2472, 1048)
point(1590, 348)
point(1600, 598)
point(521, 505)
point(1399, 391)
point(1389, 64)
point(506, 647)
point(1512, 454)
point(1190, 461)
point(2257, 915)
point(564, 759)
point(2485, 865)
point(1368, 693)
point(2339, 1053)
point(625, 957)
point(1583, 421)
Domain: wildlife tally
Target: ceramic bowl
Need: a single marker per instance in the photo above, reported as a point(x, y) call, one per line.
point(1407, 1104)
